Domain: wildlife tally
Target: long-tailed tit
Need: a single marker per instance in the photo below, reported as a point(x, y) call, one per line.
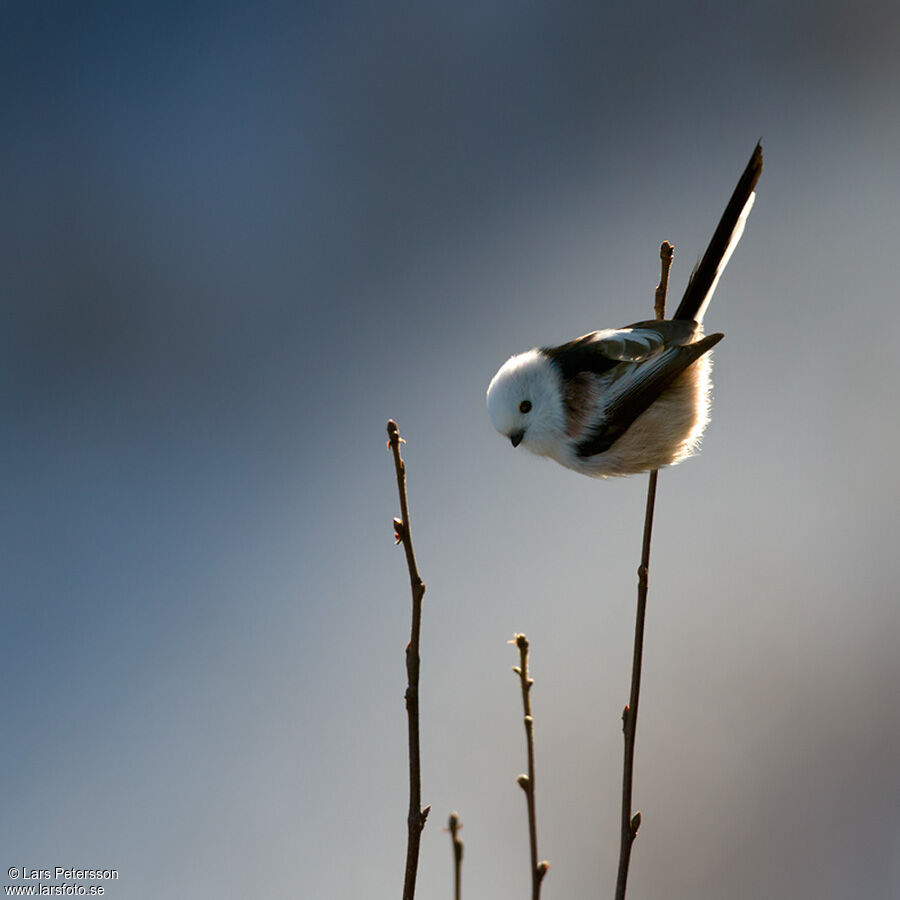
point(625, 400)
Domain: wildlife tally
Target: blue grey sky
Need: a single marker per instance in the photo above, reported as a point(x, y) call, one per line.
point(234, 239)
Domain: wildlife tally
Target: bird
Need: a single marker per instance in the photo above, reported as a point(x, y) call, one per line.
point(625, 400)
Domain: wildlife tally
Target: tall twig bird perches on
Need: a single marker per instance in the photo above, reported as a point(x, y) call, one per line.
point(631, 399)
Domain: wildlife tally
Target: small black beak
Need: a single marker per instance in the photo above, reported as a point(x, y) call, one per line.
point(516, 438)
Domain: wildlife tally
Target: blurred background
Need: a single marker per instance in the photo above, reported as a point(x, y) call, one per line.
point(236, 238)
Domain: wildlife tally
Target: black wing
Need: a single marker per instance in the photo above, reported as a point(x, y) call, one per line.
point(639, 390)
point(600, 351)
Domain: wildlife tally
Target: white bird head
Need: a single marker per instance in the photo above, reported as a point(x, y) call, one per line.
point(525, 403)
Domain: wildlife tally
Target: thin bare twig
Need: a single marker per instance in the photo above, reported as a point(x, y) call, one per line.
point(666, 252)
point(631, 823)
point(416, 817)
point(526, 782)
point(453, 826)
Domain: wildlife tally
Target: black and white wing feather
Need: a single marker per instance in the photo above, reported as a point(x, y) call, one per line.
point(636, 389)
point(600, 351)
point(610, 377)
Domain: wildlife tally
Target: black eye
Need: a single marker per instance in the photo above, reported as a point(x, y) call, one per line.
point(525, 406)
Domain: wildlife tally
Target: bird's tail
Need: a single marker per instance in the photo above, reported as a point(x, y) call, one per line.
point(706, 276)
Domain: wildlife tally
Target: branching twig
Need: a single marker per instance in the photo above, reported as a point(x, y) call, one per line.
point(631, 823)
point(415, 820)
point(453, 827)
point(526, 782)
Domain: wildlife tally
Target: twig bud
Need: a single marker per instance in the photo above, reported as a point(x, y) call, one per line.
point(523, 781)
